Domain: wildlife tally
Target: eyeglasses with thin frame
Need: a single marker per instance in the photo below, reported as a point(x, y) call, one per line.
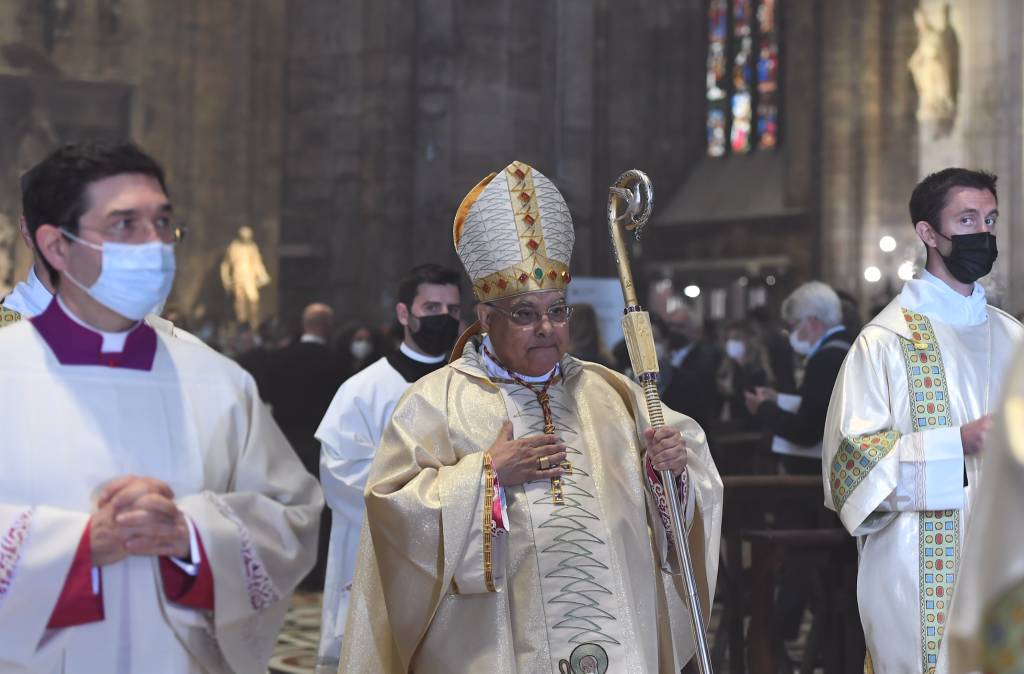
point(526, 316)
point(127, 230)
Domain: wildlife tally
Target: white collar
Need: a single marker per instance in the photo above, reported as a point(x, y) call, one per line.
point(30, 297)
point(932, 297)
point(496, 371)
point(113, 342)
point(307, 338)
point(411, 354)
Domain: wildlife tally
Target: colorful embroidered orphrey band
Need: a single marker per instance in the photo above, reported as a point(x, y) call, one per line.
point(938, 530)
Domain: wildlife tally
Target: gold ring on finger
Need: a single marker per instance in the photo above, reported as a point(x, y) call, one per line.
point(544, 463)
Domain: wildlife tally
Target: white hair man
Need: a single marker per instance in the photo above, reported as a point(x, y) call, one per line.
point(816, 332)
point(481, 552)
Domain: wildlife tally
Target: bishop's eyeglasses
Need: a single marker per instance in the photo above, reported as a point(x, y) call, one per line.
point(526, 316)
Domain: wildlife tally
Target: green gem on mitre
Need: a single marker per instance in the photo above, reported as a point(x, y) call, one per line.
point(538, 273)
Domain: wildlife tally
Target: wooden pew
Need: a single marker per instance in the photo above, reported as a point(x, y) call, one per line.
point(747, 499)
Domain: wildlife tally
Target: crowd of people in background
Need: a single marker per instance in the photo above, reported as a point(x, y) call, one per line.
point(750, 373)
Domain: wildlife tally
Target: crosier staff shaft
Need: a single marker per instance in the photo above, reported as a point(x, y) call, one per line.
point(633, 189)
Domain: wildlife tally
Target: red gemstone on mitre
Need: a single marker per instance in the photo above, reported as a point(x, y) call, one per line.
point(502, 283)
point(552, 274)
point(523, 278)
point(519, 173)
point(524, 197)
point(532, 245)
point(528, 219)
point(566, 277)
point(486, 287)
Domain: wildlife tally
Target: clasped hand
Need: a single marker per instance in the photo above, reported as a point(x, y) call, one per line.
point(137, 516)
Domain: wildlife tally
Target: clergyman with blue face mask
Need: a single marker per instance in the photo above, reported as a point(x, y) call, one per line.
point(33, 295)
point(126, 508)
point(905, 436)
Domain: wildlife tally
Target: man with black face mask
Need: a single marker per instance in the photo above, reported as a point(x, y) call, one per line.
point(908, 418)
point(429, 303)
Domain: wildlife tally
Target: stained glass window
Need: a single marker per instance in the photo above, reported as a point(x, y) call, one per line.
point(742, 79)
point(742, 76)
point(718, 15)
point(767, 77)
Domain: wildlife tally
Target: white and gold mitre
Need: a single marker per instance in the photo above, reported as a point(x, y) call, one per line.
point(513, 233)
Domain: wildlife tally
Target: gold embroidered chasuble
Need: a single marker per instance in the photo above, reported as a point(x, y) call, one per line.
point(893, 469)
point(583, 584)
point(986, 630)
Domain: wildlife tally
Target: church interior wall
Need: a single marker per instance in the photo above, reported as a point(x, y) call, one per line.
point(198, 84)
point(345, 132)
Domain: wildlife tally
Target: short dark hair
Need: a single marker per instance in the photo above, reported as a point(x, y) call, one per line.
point(932, 194)
point(53, 191)
point(431, 273)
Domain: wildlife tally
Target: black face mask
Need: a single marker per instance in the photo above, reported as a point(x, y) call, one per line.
point(436, 334)
point(972, 255)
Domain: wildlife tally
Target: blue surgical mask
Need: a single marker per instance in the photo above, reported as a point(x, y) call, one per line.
point(800, 346)
point(135, 278)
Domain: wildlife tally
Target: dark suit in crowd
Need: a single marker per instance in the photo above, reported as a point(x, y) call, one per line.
point(807, 425)
point(301, 381)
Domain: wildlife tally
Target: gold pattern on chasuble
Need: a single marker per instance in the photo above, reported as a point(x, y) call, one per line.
point(8, 316)
point(536, 271)
point(1003, 633)
point(938, 530)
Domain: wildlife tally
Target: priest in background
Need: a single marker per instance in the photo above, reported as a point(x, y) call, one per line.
point(514, 517)
point(428, 309)
point(151, 514)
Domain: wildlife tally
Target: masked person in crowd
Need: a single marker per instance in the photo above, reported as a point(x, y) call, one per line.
point(511, 519)
point(907, 421)
point(693, 366)
point(744, 367)
point(816, 332)
point(155, 519)
point(429, 304)
point(357, 346)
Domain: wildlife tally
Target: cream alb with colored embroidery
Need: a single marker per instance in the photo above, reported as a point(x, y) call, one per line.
point(893, 463)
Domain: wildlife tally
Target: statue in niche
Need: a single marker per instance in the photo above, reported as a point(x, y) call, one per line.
point(243, 274)
point(934, 66)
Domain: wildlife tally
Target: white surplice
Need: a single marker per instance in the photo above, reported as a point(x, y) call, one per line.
point(894, 467)
point(195, 421)
point(349, 436)
point(987, 623)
